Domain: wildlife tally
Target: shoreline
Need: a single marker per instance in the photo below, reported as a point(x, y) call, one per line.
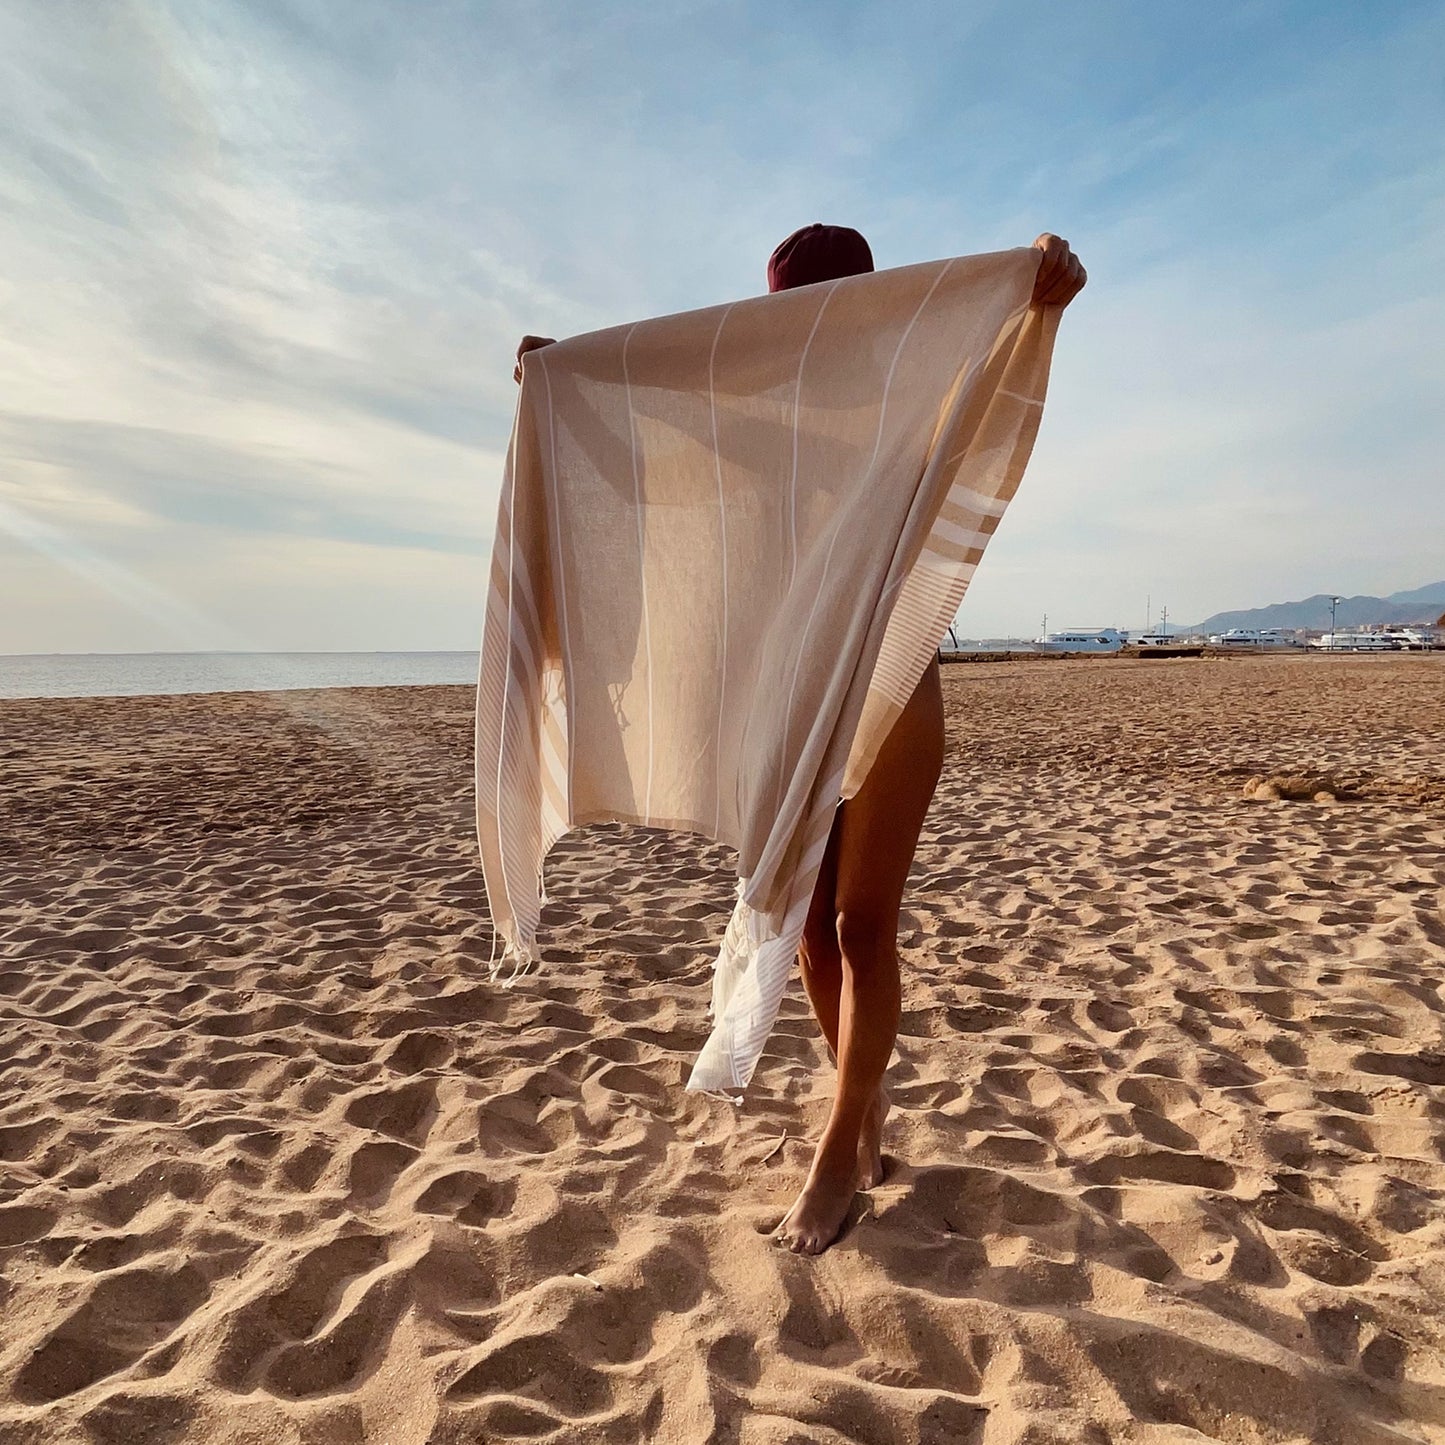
point(946, 659)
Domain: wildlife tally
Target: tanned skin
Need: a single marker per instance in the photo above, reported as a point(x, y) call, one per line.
point(849, 956)
point(849, 953)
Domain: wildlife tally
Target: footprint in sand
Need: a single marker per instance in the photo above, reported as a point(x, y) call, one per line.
point(23, 1223)
point(406, 1113)
point(285, 1314)
point(467, 1197)
point(1164, 1166)
point(126, 1416)
point(418, 1051)
point(373, 1170)
point(122, 1317)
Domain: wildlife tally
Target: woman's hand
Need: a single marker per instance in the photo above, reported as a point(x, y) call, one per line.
point(1061, 276)
point(529, 343)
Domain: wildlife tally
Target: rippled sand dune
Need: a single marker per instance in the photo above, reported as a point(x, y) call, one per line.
point(1167, 1155)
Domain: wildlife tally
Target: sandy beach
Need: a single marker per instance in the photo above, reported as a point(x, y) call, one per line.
point(278, 1163)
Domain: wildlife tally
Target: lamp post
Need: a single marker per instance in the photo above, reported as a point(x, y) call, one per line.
point(1334, 602)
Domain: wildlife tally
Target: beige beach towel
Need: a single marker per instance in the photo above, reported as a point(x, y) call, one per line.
point(728, 544)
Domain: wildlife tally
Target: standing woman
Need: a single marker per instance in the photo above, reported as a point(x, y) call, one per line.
point(849, 953)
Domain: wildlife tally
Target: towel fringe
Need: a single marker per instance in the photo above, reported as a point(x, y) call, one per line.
point(522, 961)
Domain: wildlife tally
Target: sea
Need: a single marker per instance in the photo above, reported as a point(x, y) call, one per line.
point(115, 674)
point(142, 674)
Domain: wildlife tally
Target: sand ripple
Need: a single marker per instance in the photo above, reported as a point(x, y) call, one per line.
point(1167, 1156)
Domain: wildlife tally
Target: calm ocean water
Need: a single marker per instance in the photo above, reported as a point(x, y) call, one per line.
point(140, 674)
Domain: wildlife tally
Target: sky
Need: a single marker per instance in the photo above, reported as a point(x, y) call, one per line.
point(264, 265)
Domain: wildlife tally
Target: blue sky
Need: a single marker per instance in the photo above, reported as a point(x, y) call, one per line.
point(263, 266)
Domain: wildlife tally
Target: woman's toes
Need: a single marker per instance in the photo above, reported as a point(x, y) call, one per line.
point(817, 1217)
point(796, 1241)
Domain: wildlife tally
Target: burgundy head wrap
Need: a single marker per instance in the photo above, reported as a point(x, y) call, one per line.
point(818, 253)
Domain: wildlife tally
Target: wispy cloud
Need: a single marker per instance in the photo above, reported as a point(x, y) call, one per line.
point(262, 269)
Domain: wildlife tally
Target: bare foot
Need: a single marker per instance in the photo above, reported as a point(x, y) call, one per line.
point(812, 1224)
point(870, 1142)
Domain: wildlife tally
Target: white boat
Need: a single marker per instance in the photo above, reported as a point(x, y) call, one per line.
point(1353, 642)
point(1082, 639)
point(1252, 637)
point(1410, 639)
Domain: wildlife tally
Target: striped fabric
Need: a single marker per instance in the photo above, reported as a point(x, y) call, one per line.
point(727, 545)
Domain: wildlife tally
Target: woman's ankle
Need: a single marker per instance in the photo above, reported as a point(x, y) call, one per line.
point(837, 1151)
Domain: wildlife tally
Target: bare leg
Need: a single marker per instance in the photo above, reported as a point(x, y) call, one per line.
point(821, 964)
point(820, 960)
point(878, 832)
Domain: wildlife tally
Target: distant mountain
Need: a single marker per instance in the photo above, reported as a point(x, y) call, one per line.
point(1434, 595)
point(1423, 604)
